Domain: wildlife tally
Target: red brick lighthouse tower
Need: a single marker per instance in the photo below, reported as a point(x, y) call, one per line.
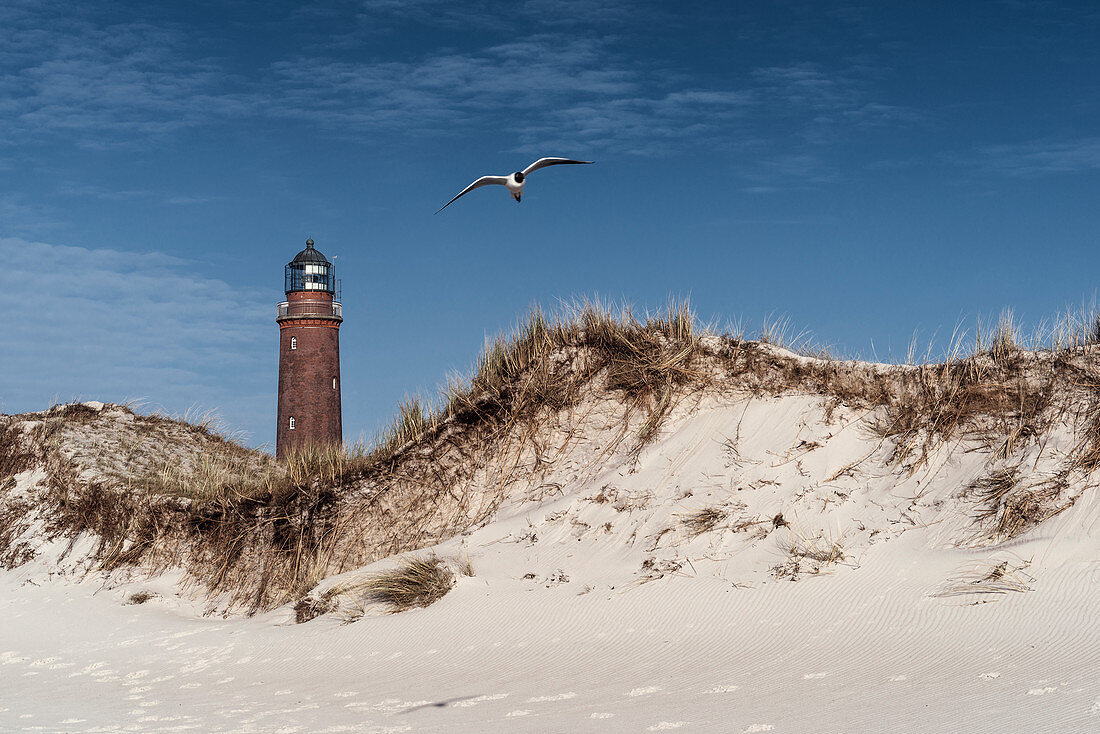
point(309, 355)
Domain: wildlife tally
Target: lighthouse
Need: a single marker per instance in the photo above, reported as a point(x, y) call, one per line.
point(309, 355)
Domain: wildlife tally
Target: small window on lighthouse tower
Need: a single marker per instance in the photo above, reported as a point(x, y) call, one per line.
point(293, 342)
point(292, 423)
point(333, 383)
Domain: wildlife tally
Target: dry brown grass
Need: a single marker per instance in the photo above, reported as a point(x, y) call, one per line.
point(1007, 508)
point(808, 554)
point(140, 597)
point(703, 521)
point(261, 532)
point(175, 495)
point(546, 365)
point(417, 582)
point(16, 455)
point(996, 578)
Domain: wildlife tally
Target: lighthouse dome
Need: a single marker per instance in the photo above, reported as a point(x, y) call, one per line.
point(309, 255)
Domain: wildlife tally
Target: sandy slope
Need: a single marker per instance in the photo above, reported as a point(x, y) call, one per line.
point(597, 606)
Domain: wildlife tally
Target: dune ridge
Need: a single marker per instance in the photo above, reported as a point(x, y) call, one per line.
point(644, 528)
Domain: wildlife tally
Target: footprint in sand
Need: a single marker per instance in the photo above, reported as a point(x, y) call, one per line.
point(554, 697)
point(722, 689)
point(643, 691)
point(989, 676)
point(601, 716)
point(480, 699)
point(1041, 691)
point(756, 728)
point(897, 678)
point(811, 676)
point(518, 712)
point(666, 725)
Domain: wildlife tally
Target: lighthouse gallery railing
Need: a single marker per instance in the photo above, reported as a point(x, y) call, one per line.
point(309, 309)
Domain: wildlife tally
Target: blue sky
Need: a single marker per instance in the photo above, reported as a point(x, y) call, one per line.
point(869, 170)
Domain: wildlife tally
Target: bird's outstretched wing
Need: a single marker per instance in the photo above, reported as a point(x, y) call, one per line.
point(544, 162)
point(483, 181)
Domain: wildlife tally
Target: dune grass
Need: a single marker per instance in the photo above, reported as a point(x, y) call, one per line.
point(548, 360)
point(988, 578)
point(416, 582)
point(807, 554)
point(703, 521)
point(248, 521)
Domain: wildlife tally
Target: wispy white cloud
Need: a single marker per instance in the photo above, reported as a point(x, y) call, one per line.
point(640, 124)
point(440, 92)
point(488, 14)
point(578, 94)
point(1043, 157)
point(572, 90)
point(19, 216)
point(71, 188)
point(108, 324)
point(103, 85)
point(771, 172)
point(805, 86)
point(190, 200)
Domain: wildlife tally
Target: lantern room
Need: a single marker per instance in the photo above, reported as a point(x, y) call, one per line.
point(310, 271)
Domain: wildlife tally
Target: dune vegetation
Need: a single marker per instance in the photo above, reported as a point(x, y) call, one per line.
point(151, 492)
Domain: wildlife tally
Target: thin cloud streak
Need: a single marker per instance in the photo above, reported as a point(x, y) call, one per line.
point(485, 14)
point(430, 95)
point(133, 85)
point(107, 324)
point(1043, 157)
point(106, 85)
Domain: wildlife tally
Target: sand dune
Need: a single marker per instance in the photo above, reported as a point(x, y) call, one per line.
point(769, 562)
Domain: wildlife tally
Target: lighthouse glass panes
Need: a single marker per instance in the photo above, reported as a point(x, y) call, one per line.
point(307, 276)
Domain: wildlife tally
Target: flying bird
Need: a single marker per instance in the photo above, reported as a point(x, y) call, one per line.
point(514, 182)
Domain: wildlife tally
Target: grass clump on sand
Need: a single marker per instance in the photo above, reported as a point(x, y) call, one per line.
point(988, 578)
point(1007, 508)
point(417, 582)
point(808, 555)
point(703, 521)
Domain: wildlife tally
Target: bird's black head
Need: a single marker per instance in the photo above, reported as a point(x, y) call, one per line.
point(518, 176)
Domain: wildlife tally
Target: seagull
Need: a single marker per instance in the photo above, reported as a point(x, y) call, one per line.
point(514, 182)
